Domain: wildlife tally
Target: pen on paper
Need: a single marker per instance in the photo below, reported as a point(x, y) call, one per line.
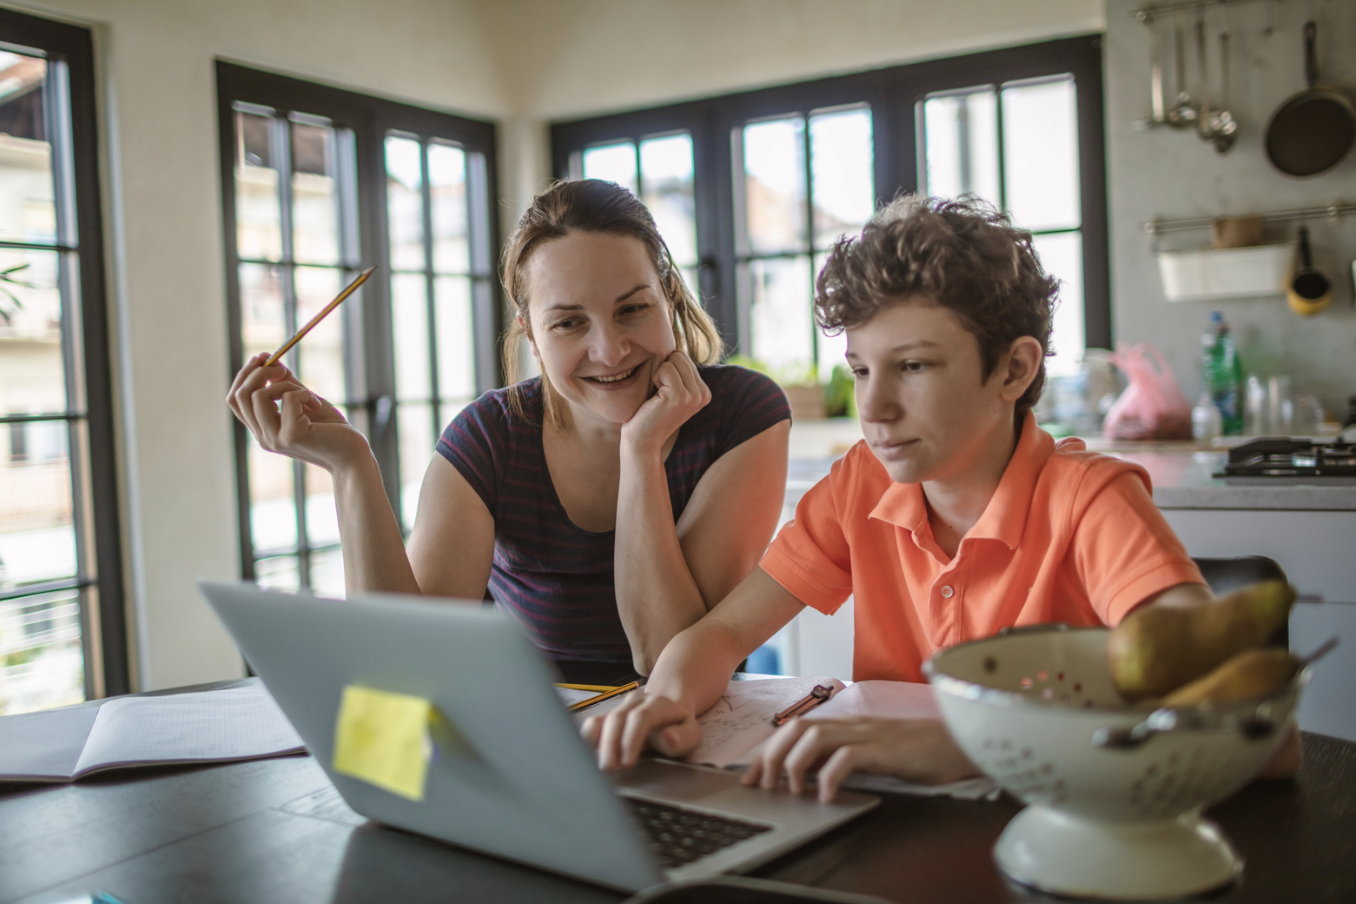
point(803, 705)
point(608, 695)
point(352, 287)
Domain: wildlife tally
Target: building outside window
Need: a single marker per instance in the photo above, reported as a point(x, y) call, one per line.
point(318, 184)
point(62, 635)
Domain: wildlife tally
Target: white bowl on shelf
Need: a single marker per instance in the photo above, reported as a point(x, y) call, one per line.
point(1114, 793)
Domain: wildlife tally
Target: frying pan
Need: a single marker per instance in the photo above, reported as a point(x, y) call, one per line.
point(1313, 130)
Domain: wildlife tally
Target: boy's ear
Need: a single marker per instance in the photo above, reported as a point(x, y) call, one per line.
point(1023, 361)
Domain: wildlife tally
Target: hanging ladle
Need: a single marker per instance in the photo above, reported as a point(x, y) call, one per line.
point(1183, 114)
point(1217, 126)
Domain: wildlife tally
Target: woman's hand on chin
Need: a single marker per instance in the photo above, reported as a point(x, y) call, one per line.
point(680, 393)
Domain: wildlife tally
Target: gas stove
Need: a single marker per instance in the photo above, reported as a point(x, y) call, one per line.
point(1282, 456)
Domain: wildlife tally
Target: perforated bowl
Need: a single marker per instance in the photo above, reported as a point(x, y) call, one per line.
point(1114, 793)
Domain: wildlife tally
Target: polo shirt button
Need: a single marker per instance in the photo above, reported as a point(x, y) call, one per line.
point(947, 592)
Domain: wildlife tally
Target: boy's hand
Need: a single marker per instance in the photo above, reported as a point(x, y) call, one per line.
point(642, 719)
point(917, 750)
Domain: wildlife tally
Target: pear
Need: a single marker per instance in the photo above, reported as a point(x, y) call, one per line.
point(1157, 649)
point(1252, 673)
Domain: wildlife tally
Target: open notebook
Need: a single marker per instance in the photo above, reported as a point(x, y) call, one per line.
point(62, 745)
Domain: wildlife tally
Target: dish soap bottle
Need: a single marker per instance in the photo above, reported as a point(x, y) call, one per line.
point(1223, 374)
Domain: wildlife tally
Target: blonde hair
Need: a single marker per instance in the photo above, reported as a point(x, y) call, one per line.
point(592, 205)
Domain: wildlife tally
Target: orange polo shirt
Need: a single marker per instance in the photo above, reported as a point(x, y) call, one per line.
point(1069, 536)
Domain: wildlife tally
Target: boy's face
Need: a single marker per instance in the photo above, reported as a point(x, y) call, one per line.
point(926, 411)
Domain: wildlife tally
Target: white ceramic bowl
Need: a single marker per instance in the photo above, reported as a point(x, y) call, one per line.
point(1114, 793)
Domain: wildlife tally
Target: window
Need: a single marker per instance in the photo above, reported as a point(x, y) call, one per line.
point(318, 183)
point(62, 635)
point(781, 172)
point(658, 169)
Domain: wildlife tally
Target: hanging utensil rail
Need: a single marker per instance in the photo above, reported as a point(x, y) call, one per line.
point(1335, 211)
point(1146, 13)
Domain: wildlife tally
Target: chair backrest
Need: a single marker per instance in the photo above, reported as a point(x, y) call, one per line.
point(1224, 576)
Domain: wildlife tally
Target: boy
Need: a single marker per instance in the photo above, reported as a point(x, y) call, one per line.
point(956, 517)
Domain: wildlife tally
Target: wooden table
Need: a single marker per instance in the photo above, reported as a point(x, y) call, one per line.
point(276, 831)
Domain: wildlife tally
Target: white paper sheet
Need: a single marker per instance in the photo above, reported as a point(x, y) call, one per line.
point(43, 745)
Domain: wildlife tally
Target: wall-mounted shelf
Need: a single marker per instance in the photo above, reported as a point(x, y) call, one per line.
point(1260, 271)
point(1334, 211)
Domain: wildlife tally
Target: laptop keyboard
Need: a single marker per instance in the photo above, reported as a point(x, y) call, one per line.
point(679, 837)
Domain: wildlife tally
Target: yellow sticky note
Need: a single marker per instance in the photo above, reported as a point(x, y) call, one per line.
point(383, 738)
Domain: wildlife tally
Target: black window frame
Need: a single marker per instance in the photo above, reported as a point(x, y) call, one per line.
point(894, 95)
point(95, 512)
point(369, 351)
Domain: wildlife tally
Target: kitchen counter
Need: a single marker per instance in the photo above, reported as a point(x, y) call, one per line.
point(1181, 472)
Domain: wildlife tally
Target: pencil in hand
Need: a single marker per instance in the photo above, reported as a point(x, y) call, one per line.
point(352, 287)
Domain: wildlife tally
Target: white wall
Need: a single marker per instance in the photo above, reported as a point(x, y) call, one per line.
point(162, 191)
point(1170, 174)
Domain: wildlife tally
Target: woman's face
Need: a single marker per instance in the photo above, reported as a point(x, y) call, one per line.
point(600, 323)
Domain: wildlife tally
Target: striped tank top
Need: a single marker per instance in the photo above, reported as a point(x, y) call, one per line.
point(555, 578)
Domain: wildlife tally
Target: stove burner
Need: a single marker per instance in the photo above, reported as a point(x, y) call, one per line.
point(1281, 456)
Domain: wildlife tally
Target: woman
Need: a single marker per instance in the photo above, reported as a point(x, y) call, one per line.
point(608, 503)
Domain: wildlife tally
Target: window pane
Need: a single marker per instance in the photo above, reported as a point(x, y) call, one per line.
point(961, 154)
point(409, 315)
point(447, 188)
point(774, 185)
point(456, 338)
point(405, 203)
point(320, 356)
point(613, 162)
point(37, 539)
point(327, 573)
point(278, 573)
point(41, 663)
point(32, 379)
point(262, 324)
point(666, 170)
point(841, 173)
point(273, 509)
point(315, 195)
point(415, 422)
point(25, 154)
point(779, 315)
point(257, 217)
point(1062, 257)
point(322, 520)
point(1040, 154)
point(832, 350)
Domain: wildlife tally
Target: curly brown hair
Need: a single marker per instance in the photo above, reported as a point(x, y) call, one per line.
point(592, 205)
point(963, 254)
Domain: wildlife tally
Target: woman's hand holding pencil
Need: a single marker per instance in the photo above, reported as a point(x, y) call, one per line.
point(288, 418)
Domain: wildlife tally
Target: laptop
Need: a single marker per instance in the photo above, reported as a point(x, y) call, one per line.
point(520, 783)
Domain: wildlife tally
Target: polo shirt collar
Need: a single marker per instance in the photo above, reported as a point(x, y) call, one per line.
point(903, 505)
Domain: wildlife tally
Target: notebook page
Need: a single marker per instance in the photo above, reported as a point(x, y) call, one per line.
point(44, 745)
point(233, 724)
point(742, 718)
point(881, 699)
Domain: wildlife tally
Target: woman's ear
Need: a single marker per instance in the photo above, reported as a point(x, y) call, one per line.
point(1023, 361)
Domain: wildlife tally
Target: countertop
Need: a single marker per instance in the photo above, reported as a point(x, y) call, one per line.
point(1181, 472)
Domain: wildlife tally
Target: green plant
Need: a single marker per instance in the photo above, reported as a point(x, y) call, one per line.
point(9, 302)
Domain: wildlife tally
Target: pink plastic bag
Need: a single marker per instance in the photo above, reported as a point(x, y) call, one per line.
point(1152, 406)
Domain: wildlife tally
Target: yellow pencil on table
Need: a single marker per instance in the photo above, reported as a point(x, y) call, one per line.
point(606, 695)
point(352, 287)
